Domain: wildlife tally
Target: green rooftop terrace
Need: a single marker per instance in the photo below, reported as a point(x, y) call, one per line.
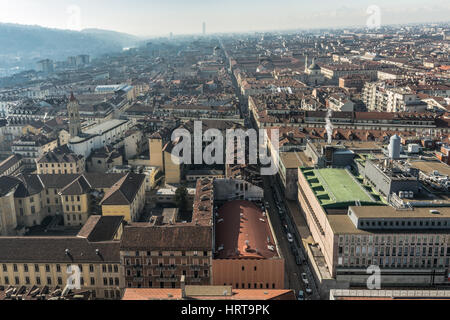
point(337, 188)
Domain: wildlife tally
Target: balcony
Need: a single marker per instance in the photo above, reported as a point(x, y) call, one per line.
point(166, 267)
point(169, 279)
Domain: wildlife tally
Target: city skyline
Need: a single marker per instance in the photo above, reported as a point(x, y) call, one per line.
point(150, 18)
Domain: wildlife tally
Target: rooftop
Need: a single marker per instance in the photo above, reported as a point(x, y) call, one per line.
point(205, 293)
point(337, 187)
point(243, 232)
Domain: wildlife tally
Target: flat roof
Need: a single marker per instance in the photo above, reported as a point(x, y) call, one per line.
point(336, 186)
point(293, 159)
point(238, 224)
point(390, 212)
point(341, 224)
point(105, 126)
point(430, 166)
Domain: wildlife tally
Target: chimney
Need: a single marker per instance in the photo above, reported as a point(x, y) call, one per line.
point(183, 286)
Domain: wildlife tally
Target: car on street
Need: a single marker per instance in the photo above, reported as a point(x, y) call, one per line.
point(298, 260)
point(308, 290)
point(301, 295)
point(305, 278)
point(290, 238)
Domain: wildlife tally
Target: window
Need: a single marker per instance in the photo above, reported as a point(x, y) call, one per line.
point(92, 281)
point(15, 267)
point(58, 268)
point(47, 268)
point(105, 281)
point(25, 268)
point(6, 280)
point(5, 268)
point(38, 280)
point(91, 268)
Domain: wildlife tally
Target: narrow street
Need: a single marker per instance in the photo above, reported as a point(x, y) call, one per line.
point(283, 224)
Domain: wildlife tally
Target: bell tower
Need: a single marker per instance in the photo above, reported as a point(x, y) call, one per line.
point(74, 117)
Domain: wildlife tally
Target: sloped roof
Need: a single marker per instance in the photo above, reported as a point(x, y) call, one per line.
point(100, 228)
point(124, 191)
point(53, 249)
point(167, 238)
point(77, 187)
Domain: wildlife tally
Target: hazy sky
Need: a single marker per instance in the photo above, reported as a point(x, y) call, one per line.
point(159, 17)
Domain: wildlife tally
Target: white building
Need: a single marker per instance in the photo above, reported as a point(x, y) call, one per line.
point(106, 133)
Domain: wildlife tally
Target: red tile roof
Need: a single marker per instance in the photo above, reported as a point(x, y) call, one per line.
point(243, 231)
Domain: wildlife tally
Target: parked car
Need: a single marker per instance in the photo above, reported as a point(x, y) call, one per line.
point(305, 278)
point(298, 260)
point(308, 290)
point(301, 295)
point(290, 238)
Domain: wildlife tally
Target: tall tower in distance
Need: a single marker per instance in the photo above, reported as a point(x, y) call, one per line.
point(204, 28)
point(74, 116)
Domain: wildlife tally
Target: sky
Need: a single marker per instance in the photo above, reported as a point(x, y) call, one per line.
point(160, 17)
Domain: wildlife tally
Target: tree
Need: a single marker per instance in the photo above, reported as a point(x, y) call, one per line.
point(181, 198)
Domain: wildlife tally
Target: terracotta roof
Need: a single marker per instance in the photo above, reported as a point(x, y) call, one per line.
point(243, 232)
point(237, 294)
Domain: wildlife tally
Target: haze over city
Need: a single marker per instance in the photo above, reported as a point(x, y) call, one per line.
point(152, 18)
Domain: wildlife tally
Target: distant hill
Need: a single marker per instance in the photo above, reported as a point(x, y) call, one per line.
point(22, 45)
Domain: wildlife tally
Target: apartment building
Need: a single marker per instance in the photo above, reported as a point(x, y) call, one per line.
point(61, 160)
point(32, 146)
point(50, 261)
point(354, 230)
point(125, 198)
point(158, 256)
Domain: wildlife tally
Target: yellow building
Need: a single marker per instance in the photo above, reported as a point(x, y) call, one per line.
point(60, 161)
point(126, 198)
point(8, 219)
point(63, 137)
point(44, 261)
point(76, 202)
point(156, 151)
point(172, 169)
point(31, 147)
